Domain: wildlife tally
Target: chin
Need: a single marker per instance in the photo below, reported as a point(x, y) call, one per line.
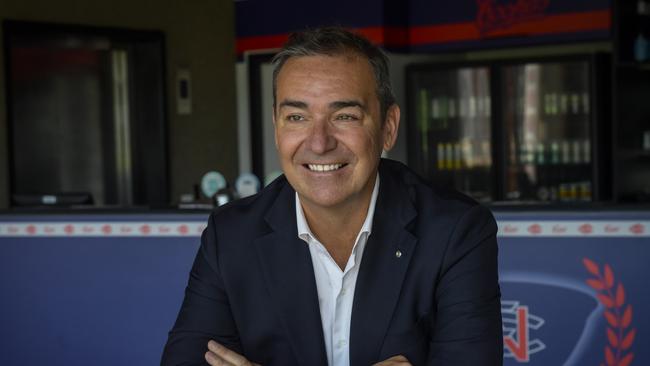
point(322, 200)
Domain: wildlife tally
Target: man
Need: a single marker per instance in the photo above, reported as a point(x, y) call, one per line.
point(348, 259)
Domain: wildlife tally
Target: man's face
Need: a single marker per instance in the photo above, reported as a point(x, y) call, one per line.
point(328, 129)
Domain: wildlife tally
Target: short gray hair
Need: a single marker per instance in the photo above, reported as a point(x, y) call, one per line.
point(334, 41)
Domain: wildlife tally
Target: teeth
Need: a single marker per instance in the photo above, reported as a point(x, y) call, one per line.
point(324, 167)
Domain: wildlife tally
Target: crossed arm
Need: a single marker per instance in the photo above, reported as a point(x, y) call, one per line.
point(218, 355)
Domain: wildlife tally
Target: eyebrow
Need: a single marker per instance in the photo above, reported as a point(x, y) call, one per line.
point(293, 103)
point(345, 104)
point(334, 105)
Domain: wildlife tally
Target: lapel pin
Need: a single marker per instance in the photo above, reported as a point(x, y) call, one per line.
point(398, 254)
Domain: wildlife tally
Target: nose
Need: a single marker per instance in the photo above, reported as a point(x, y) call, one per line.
point(320, 139)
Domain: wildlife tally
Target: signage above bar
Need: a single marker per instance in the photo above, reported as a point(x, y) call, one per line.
point(426, 25)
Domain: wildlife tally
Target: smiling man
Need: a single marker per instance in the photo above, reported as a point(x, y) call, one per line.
point(348, 259)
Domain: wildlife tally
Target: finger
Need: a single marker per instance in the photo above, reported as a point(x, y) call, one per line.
point(227, 355)
point(395, 360)
point(398, 358)
point(214, 360)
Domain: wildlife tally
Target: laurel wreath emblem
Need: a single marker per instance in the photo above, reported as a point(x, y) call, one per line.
point(618, 315)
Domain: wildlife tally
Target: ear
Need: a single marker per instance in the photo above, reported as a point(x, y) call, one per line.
point(391, 126)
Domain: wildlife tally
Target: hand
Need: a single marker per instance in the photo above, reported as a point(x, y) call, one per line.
point(219, 355)
point(394, 361)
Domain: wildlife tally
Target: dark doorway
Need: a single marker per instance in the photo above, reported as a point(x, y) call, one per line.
point(86, 112)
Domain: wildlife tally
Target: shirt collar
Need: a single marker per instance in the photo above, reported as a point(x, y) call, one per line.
point(304, 232)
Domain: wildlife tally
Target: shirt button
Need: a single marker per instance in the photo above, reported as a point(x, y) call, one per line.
point(343, 291)
point(342, 343)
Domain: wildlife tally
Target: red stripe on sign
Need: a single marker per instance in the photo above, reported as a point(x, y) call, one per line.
point(260, 42)
point(456, 32)
point(550, 24)
point(374, 34)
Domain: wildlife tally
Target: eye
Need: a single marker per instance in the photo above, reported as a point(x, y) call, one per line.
point(346, 117)
point(295, 118)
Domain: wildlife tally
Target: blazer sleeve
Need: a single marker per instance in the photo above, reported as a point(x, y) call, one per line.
point(468, 328)
point(205, 313)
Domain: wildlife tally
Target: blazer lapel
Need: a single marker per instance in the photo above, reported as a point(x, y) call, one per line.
point(383, 267)
point(289, 276)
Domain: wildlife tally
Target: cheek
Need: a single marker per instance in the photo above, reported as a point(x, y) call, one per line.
point(363, 144)
point(287, 144)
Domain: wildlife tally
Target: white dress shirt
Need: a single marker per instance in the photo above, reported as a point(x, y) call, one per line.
point(336, 287)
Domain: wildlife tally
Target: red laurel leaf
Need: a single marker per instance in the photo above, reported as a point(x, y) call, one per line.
point(596, 284)
point(609, 276)
point(591, 266)
point(626, 360)
point(628, 339)
point(611, 319)
point(611, 336)
point(609, 356)
point(620, 295)
point(606, 300)
point(627, 317)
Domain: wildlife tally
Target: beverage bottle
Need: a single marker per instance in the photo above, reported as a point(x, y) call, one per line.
point(543, 192)
point(554, 171)
point(564, 104)
point(440, 161)
point(575, 103)
point(641, 42)
point(435, 112)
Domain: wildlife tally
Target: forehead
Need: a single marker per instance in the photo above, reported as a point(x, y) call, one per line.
point(322, 74)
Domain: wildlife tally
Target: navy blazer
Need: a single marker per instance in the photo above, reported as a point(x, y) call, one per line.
point(252, 285)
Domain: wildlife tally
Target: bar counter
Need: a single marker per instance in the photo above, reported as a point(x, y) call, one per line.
point(103, 287)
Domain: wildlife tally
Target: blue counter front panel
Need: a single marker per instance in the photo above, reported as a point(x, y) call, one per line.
point(105, 290)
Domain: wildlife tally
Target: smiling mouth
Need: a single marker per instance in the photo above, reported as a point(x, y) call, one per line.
point(324, 167)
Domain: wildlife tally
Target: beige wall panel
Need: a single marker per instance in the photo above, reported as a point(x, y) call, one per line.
point(199, 37)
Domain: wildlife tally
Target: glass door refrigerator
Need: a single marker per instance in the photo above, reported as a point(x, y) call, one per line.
point(529, 131)
point(450, 140)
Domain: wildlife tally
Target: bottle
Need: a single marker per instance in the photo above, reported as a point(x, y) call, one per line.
point(640, 48)
point(435, 112)
point(459, 176)
point(457, 156)
point(566, 170)
point(585, 191)
point(554, 176)
point(451, 109)
point(444, 117)
point(449, 156)
point(575, 103)
point(585, 103)
point(462, 107)
point(440, 161)
point(547, 104)
point(577, 153)
point(564, 104)
point(586, 147)
point(523, 154)
point(471, 112)
point(554, 104)
point(641, 44)
point(542, 172)
point(468, 156)
point(486, 151)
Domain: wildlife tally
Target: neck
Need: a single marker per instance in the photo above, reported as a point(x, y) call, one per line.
point(337, 227)
point(327, 223)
